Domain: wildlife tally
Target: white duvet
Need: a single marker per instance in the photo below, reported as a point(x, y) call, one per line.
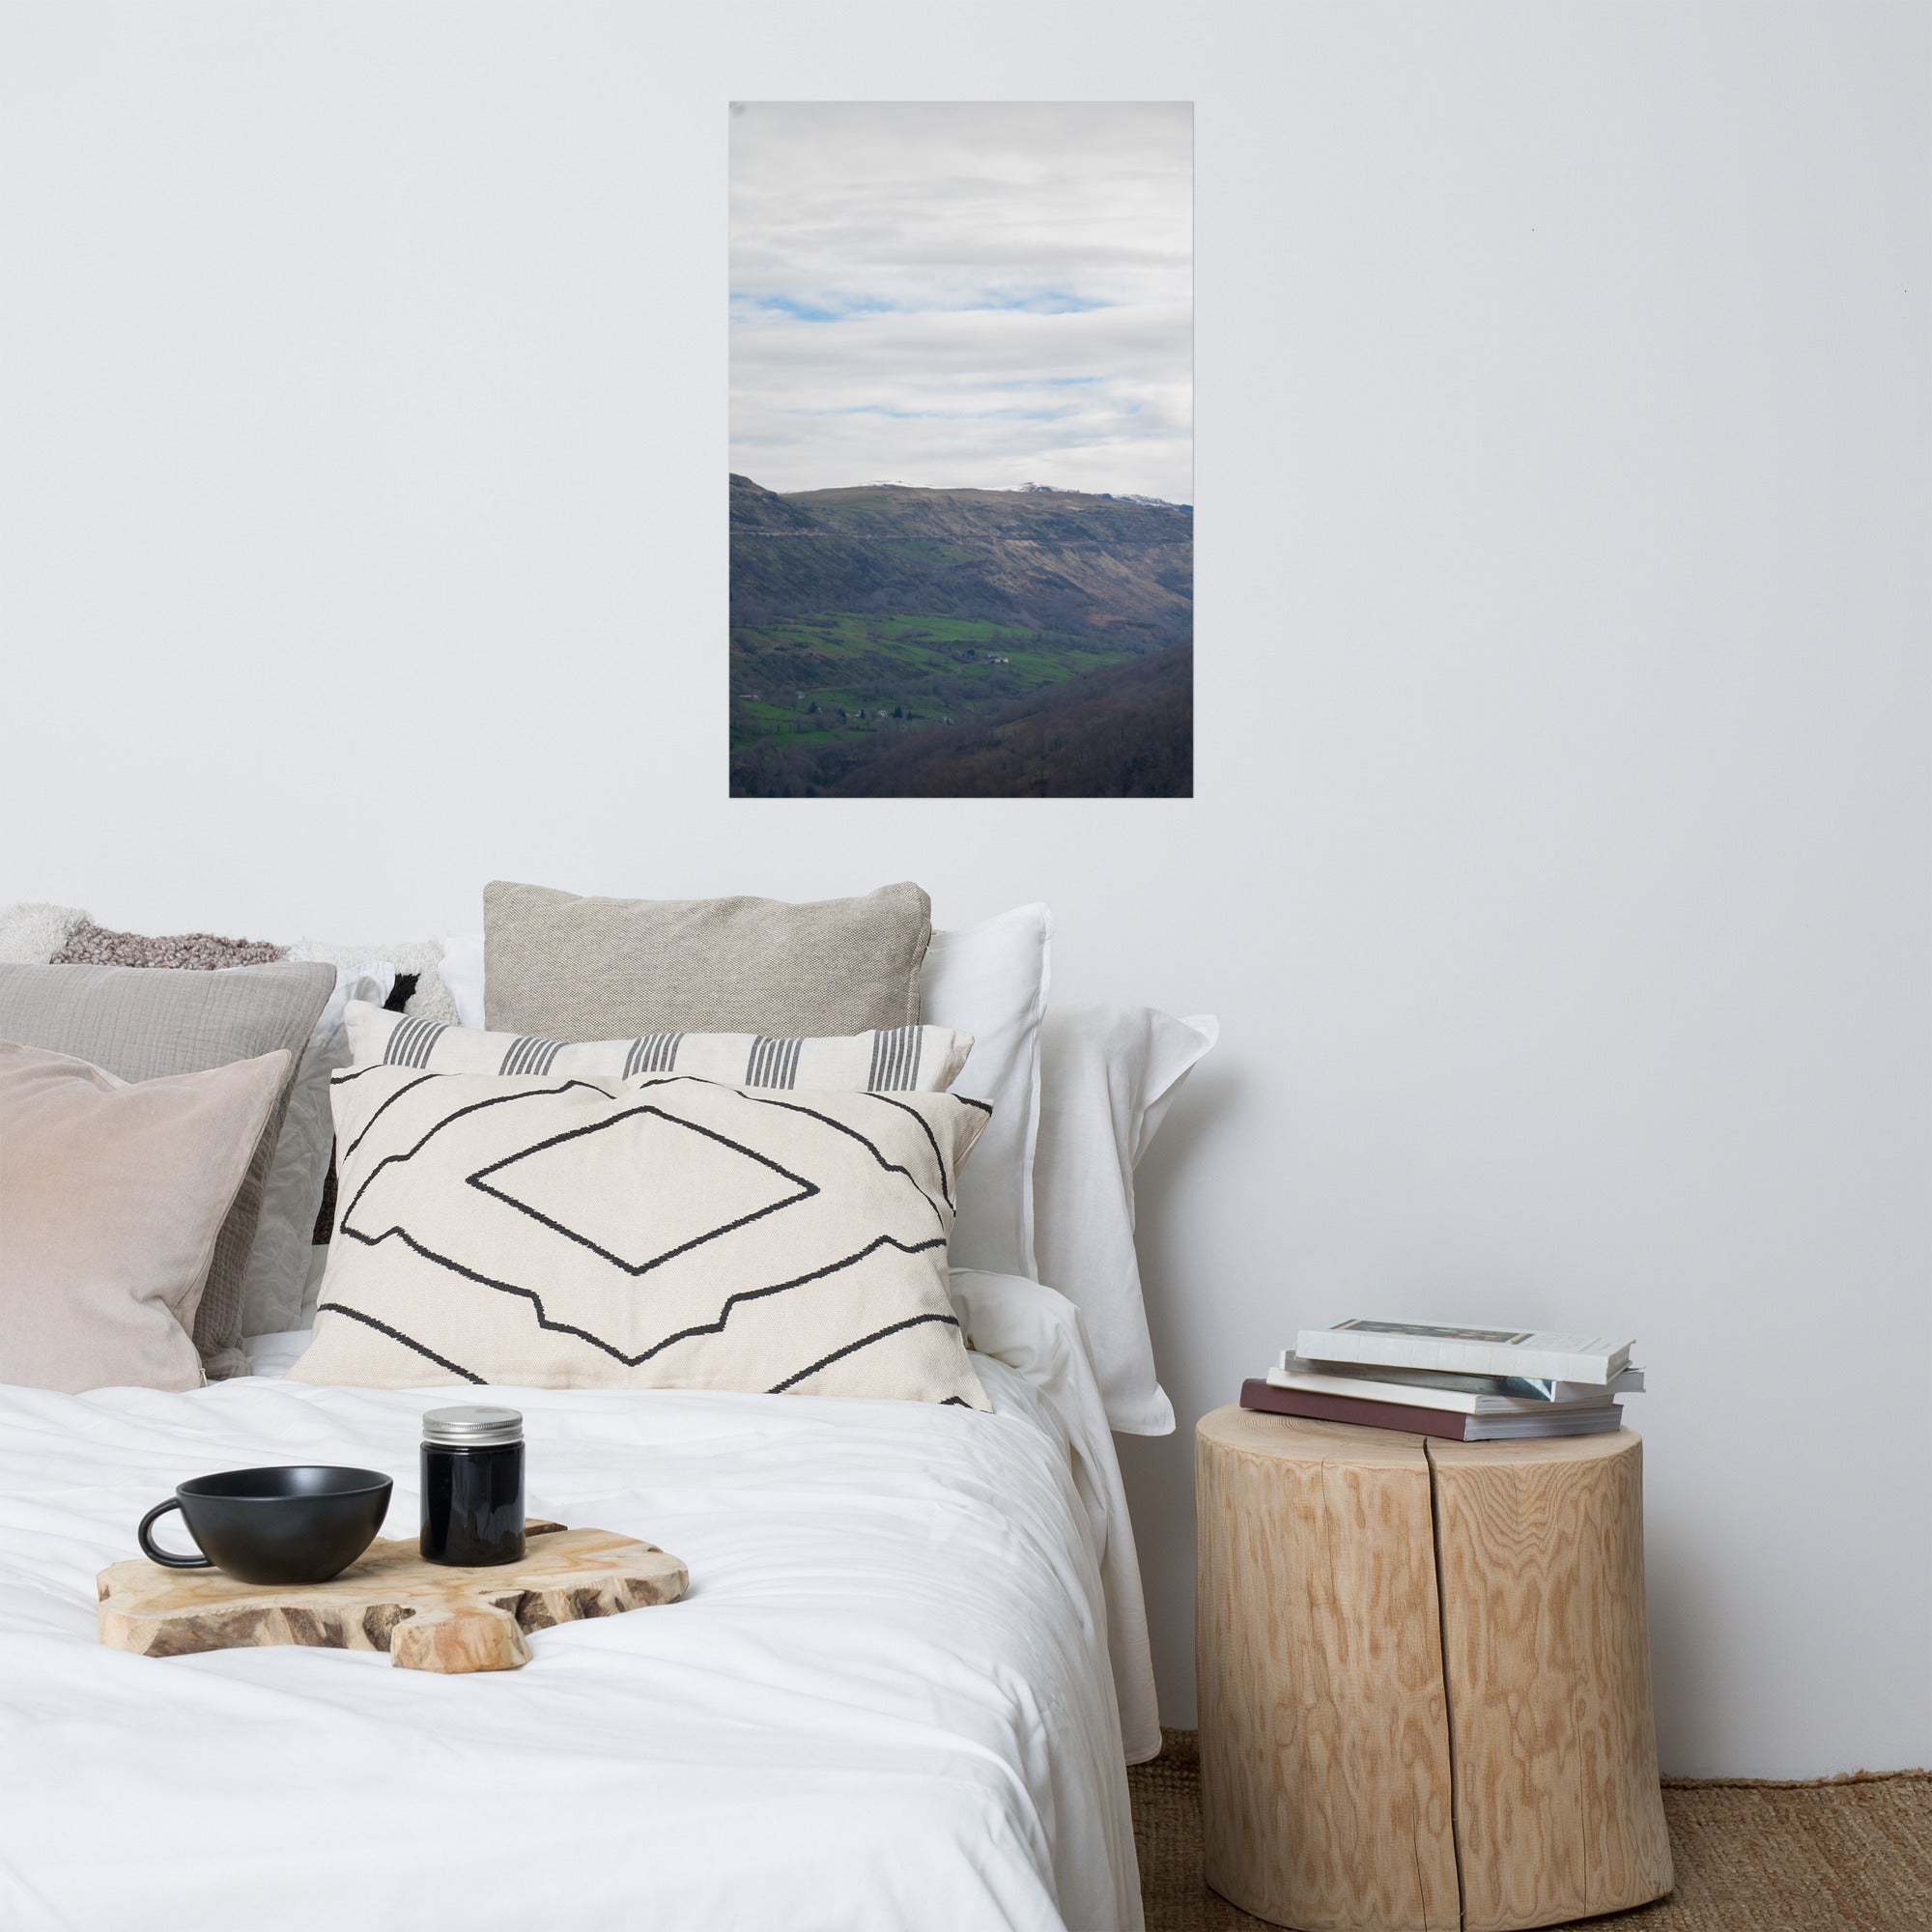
point(887, 1701)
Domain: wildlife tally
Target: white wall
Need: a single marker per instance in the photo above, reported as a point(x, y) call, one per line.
point(1558, 868)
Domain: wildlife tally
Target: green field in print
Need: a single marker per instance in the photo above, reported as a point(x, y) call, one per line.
point(990, 303)
point(844, 676)
point(865, 619)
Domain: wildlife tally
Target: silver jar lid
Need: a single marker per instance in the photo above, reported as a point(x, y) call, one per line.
point(472, 1428)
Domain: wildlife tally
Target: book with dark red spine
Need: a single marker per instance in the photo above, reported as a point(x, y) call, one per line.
point(1598, 1419)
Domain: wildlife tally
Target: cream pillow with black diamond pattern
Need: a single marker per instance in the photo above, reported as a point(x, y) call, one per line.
point(661, 1231)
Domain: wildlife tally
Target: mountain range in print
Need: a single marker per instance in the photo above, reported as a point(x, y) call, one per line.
point(962, 446)
point(888, 640)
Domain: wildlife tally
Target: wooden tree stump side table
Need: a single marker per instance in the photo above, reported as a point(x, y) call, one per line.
point(1425, 1678)
point(1326, 1798)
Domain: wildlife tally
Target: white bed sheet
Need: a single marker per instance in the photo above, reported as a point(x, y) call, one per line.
point(886, 1702)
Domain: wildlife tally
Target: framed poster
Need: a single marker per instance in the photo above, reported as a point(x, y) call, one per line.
point(962, 525)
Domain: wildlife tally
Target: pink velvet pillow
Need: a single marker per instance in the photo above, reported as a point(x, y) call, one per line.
point(111, 1196)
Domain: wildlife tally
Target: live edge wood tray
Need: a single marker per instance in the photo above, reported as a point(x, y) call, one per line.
point(427, 1616)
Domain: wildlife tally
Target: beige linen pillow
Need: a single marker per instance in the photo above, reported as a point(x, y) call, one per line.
point(141, 1025)
point(655, 1233)
point(570, 968)
point(112, 1195)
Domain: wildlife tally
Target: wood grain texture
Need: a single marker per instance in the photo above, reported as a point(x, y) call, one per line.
point(426, 1615)
point(1547, 1654)
point(1324, 1762)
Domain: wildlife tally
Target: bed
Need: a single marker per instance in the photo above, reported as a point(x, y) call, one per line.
point(901, 1690)
point(912, 1664)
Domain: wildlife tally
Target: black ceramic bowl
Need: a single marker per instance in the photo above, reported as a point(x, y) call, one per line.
point(301, 1524)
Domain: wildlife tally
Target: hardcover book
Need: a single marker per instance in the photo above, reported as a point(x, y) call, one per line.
point(1458, 1395)
point(1583, 1419)
point(1468, 1350)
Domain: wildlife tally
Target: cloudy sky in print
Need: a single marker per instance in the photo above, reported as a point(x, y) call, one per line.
point(963, 294)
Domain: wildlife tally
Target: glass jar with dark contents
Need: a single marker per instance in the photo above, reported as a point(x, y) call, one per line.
point(472, 1486)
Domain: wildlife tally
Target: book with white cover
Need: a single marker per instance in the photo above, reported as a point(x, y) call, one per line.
point(1468, 1350)
point(1457, 1394)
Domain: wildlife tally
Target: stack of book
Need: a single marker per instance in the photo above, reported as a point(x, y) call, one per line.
point(1468, 1384)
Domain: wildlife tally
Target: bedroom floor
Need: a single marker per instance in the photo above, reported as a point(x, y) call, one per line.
point(1848, 1857)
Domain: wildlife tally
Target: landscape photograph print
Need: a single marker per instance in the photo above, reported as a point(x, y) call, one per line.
point(962, 445)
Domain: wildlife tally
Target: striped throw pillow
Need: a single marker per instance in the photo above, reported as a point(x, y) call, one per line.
point(895, 1060)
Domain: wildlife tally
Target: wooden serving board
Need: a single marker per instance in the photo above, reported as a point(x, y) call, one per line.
point(426, 1615)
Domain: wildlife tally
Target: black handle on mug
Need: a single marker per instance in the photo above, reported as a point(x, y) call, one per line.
point(154, 1551)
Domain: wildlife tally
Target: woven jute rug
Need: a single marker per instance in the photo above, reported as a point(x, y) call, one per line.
point(1843, 1854)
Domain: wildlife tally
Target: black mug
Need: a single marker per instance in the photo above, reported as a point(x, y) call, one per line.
point(300, 1524)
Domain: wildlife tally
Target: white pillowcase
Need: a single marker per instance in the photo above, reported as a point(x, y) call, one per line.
point(991, 981)
point(277, 1267)
point(1109, 1076)
point(462, 974)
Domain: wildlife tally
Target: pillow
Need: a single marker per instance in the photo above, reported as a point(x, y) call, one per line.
point(419, 960)
point(53, 935)
point(31, 934)
point(276, 1265)
point(112, 1195)
point(1108, 1076)
point(657, 1232)
point(278, 1259)
point(461, 971)
point(990, 980)
point(140, 1025)
point(91, 944)
point(569, 968)
point(908, 1058)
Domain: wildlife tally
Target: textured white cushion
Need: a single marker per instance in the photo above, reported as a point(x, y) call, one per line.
point(657, 1232)
point(1109, 1076)
point(991, 981)
point(900, 1060)
point(421, 956)
point(32, 933)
